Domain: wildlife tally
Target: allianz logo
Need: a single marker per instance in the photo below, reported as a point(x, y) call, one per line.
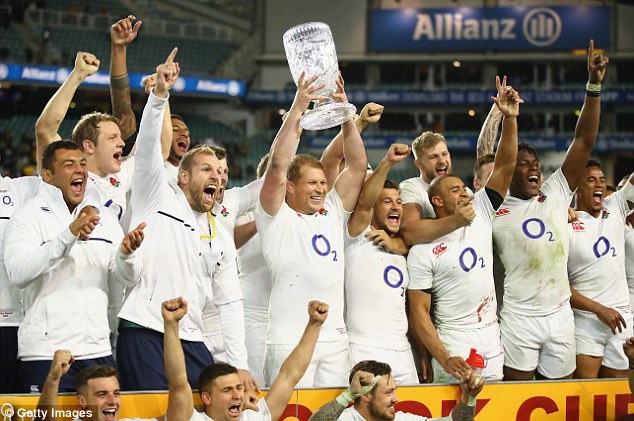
point(541, 27)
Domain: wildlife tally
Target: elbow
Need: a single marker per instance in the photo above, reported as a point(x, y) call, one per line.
point(17, 281)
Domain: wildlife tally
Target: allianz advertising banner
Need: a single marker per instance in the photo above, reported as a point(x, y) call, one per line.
point(503, 28)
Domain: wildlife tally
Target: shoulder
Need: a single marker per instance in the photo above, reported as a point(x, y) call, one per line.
point(406, 416)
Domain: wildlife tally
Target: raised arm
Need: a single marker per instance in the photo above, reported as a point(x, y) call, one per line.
point(362, 382)
point(149, 82)
point(332, 156)
point(508, 102)
point(149, 170)
point(425, 333)
point(180, 403)
point(488, 133)
point(362, 215)
point(122, 33)
point(284, 147)
point(588, 123)
point(54, 112)
point(296, 364)
point(349, 183)
point(47, 403)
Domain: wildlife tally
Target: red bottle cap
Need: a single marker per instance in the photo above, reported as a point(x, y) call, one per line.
point(476, 359)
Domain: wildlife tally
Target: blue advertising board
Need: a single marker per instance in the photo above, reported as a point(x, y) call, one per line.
point(472, 97)
point(467, 143)
point(500, 28)
point(57, 75)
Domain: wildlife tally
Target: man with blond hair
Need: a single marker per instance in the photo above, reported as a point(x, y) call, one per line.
point(298, 220)
point(176, 261)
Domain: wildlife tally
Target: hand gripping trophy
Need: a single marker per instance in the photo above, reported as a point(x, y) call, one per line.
point(310, 48)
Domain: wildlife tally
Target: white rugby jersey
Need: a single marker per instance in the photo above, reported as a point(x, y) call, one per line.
point(375, 285)
point(532, 239)
point(255, 279)
point(237, 201)
point(629, 261)
point(596, 264)
point(113, 188)
point(305, 255)
point(458, 269)
point(414, 190)
point(14, 192)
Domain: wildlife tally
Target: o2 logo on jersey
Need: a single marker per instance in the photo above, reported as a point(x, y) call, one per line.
point(394, 278)
point(7, 201)
point(321, 245)
point(535, 229)
point(602, 247)
point(469, 259)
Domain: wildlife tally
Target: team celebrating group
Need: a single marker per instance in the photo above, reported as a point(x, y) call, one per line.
point(149, 258)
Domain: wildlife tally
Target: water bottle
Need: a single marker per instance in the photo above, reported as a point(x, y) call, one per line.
point(477, 361)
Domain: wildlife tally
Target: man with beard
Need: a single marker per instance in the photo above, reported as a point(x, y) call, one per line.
point(229, 204)
point(176, 261)
point(596, 270)
point(531, 235)
point(456, 270)
point(376, 278)
point(373, 391)
point(301, 231)
point(65, 279)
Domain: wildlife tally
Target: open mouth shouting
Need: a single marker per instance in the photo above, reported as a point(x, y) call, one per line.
point(235, 410)
point(209, 192)
point(77, 185)
point(597, 196)
point(533, 180)
point(117, 157)
point(442, 170)
point(182, 144)
point(393, 219)
point(109, 414)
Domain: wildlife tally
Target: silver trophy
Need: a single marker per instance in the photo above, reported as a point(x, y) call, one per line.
point(311, 49)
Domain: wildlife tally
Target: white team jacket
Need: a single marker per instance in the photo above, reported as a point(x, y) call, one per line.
point(175, 262)
point(66, 280)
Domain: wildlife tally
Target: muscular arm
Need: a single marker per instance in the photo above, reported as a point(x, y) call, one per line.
point(462, 412)
point(54, 112)
point(350, 181)
point(489, 132)
point(606, 315)
point(587, 126)
point(423, 231)
point(332, 156)
point(180, 404)
point(121, 35)
point(284, 147)
point(329, 412)
point(243, 233)
point(296, 364)
point(508, 102)
point(371, 191)
point(423, 329)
